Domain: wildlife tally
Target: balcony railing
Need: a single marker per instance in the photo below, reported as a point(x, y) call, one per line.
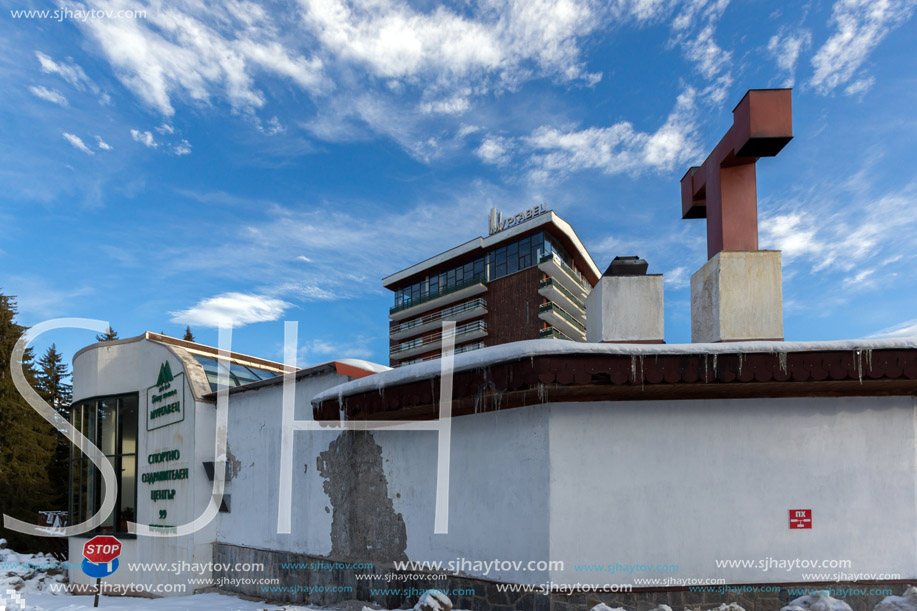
point(433, 357)
point(553, 333)
point(430, 297)
point(551, 306)
point(562, 289)
point(578, 277)
point(435, 338)
point(447, 312)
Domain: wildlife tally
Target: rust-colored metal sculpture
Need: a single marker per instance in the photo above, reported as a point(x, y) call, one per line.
point(723, 190)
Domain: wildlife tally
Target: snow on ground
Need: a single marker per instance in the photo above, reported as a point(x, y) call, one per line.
point(46, 601)
point(819, 601)
point(26, 573)
point(906, 602)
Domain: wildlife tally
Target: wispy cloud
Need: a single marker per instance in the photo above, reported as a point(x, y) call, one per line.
point(552, 153)
point(860, 25)
point(905, 329)
point(50, 95)
point(235, 309)
point(854, 239)
point(78, 143)
point(102, 144)
point(68, 71)
point(144, 138)
point(785, 48)
point(317, 350)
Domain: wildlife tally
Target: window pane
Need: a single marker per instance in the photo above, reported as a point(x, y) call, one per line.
point(107, 433)
point(128, 418)
point(127, 490)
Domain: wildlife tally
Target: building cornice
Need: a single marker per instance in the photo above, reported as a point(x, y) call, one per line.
point(630, 373)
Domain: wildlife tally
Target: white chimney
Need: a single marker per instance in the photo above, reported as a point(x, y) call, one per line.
point(626, 306)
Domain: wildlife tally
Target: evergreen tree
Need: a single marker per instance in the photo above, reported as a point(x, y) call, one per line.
point(188, 336)
point(27, 442)
point(52, 380)
point(108, 336)
point(53, 386)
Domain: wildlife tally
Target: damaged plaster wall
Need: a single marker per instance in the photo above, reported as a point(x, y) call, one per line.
point(498, 493)
point(254, 434)
point(364, 524)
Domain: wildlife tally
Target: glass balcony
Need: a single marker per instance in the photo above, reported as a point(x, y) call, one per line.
point(459, 312)
point(555, 316)
point(445, 296)
point(427, 343)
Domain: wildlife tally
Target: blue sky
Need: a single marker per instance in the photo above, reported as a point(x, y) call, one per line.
point(175, 161)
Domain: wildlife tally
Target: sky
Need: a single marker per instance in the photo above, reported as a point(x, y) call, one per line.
point(165, 164)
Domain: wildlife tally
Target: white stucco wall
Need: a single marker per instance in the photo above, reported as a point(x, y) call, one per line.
point(692, 482)
point(255, 421)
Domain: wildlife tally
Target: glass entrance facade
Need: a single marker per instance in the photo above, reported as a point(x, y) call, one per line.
point(111, 424)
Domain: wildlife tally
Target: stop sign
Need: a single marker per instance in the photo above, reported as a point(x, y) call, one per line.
point(101, 549)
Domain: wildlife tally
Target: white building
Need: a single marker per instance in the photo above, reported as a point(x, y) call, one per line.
point(663, 458)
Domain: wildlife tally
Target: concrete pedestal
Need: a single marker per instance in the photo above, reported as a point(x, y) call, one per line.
point(738, 296)
point(626, 309)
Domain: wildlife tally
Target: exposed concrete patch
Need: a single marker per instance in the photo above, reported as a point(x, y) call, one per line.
point(364, 524)
point(233, 464)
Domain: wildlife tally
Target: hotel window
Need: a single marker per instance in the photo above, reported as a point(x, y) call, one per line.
point(111, 424)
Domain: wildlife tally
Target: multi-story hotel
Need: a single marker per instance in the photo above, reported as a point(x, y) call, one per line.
point(528, 279)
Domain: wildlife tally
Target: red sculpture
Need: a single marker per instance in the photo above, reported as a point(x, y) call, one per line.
point(723, 190)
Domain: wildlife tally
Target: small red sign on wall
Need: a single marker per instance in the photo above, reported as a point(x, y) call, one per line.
point(800, 518)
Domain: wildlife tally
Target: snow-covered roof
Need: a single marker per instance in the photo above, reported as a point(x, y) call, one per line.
point(529, 349)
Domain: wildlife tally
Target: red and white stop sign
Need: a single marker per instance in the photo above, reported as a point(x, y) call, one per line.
point(102, 549)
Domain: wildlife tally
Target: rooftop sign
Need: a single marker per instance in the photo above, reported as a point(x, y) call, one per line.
point(498, 223)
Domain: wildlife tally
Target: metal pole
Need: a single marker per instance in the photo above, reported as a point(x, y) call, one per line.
point(98, 590)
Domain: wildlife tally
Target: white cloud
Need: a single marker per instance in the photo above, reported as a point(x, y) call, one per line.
point(165, 128)
point(678, 278)
point(831, 234)
point(860, 85)
point(102, 144)
point(50, 95)
point(272, 128)
point(393, 40)
point(182, 148)
point(452, 106)
point(144, 138)
point(905, 329)
point(197, 51)
point(708, 57)
point(70, 72)
point(78, 143)
point(860, 26)
point(494, 150)
point(236, 309)
point(615, 149)
point(786, 48)
point(324, 350)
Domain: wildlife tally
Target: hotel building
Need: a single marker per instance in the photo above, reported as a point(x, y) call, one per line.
point(528, 279)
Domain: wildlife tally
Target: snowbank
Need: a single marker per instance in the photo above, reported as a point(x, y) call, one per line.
point(907, 602)
point(819, 601)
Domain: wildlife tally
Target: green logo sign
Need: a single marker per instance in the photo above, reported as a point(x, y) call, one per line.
point(165, 374)
point(164, 401)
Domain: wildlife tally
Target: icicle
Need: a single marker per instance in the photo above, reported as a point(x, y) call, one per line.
point(781, 358)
